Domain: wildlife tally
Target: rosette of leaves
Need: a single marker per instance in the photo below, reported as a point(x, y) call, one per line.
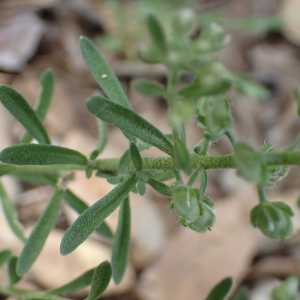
point(214, 115)
point(273, 219)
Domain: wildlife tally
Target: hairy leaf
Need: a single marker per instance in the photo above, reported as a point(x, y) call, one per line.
point(44, 98)
point(129, 121)
point(77, 284)
point(103, 74)
point(22, 111)
point(124, 161)
point(92, 217)
point(136, 157)
point(121, 243)
point(182, 156)
point(35, 154)
point(13, 276)
point(39, 233)
point(149, 88)
point(101, 279)
point(4, 256)
point(160, 187)
point(220, 291)
point(11, 215)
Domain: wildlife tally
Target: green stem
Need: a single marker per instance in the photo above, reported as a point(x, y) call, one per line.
point(24, 294)
point(195, 177)
point(231, 137)
point(283, 158)
point(295, 144)
point(178, 176)
point(261, 193)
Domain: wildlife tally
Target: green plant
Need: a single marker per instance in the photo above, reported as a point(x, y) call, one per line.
point(200, 100)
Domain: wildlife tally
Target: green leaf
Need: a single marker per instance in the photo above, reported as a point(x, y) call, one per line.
point(4, 256)
point(5, 169)
point(39, 233)
point(36, 154)
point(92, 217)
point(141, 187)
point(164, 175)
point(13, 276)
point(124, 161)
point(160, 187)
point(22, 111)
point(44, 98)
point(103, 74)
point(242, 294)
point(11, 215)
point(121, 242)
point(80, 206)
point(149, 88)
point(283, 206)
point(157, 34)
point(77, 284)
point(288, 290)
point(102, 129)
point(136, 157)
point(220, 291)
point(101, 279)
point(182, 156)
point(129, 121)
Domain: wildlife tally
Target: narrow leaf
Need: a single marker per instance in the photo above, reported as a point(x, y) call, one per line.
point(157, 34)
point(4, 256)
point(39, 233)
point(13, 276)
point(103, 74)
point(77, 284)
point(124, 161)
point(92, 217)
point(121, 243)
point(102, 129)
point(164, 175)
point(80, 206)
point(129, 121)
point(220, 291)
point(36, 154)
point(182, 156)
point(11, 215)
point(5, 169)
point(136, 157)
point(44, 98)
point(149, 88)
point(22, 111)
point(101, 279)
point(160, 187)
point(242, 294)
point(141, 187)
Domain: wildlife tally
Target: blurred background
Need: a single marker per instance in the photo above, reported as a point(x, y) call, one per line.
point(167, 261)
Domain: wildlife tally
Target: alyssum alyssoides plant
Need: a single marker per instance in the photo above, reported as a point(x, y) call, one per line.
point(201, 99)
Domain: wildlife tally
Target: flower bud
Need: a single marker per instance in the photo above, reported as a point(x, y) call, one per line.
point(273, 219)
point(185, 203)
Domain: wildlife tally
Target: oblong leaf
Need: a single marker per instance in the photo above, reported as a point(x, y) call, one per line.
point(160, 187)
point(13, 276)
point(182, 156)
point(22, 111)
point(4, 256)
point(44, 98)
point(124, 161)
point(5, 169)
point(121, 242)
point(102, 129)
point(129, 121)
point(80, 206)
point(36, 154)
point(77, 284)
point(11, 215)
point(92, 217)
point(101, 71)
point(242, 294)
point(157, 34)
point(101, 279)
point(220, 291)
point(136, 157)
point(39, 233)
point(149, 88)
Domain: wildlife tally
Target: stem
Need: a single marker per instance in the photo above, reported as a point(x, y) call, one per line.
point(178, 176)
point(261, 193)
point(24, 294)
point(195, 177)
point(295, 144)
point(231, 137)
